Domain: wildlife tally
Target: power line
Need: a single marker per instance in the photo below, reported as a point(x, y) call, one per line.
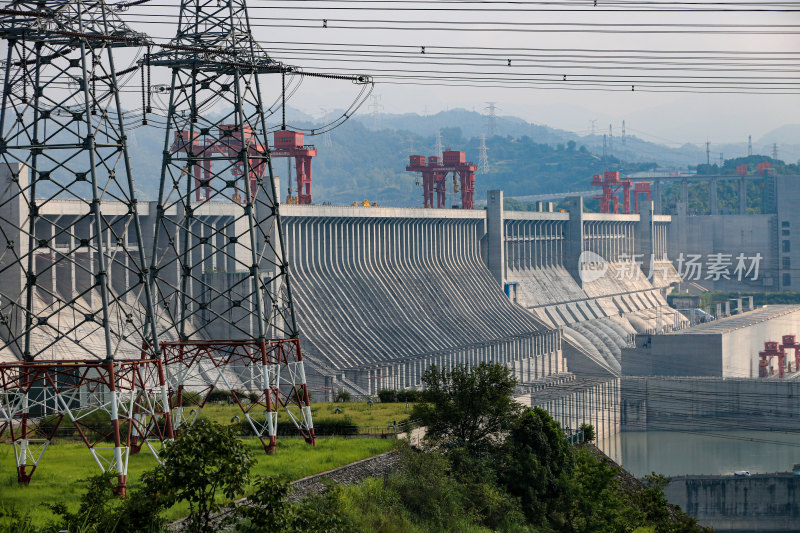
point(544, 7)
point(526, 49)
point(509, 26)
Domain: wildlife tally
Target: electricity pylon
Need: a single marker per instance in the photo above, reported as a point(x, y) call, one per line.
point(222, 282)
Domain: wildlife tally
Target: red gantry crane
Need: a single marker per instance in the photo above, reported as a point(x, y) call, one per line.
point(287, 144)
point(611, 184)
point(291, 144)
point(771, 350)
point(434, 177)
point(789, 343)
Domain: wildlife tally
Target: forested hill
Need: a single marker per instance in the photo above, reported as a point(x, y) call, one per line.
point(363, 164)
point(360, 164)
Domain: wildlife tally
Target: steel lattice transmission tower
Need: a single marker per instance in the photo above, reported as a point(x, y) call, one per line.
point(491, 118)
point(75, 306)
point(222, 282)
point(484, 156)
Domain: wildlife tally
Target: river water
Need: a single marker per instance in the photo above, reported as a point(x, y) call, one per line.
point(674, 453)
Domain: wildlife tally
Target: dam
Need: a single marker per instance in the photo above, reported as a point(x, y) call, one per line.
point(383, 293)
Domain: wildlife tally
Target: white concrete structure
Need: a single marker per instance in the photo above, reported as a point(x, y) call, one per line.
point(725, 348)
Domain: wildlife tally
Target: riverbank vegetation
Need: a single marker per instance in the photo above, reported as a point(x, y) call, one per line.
point(487, 464)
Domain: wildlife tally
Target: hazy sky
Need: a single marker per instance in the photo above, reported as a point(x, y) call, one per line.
point(660, 116)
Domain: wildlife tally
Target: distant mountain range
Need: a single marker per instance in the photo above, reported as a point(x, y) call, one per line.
point(357, 161)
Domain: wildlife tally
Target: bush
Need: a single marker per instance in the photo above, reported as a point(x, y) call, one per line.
point(394, 396)
point(342, 396)
point(220, 395)
point(409, 395)
point(338, 427)
point(387, 395)
point(267, 510)
point(588, 432)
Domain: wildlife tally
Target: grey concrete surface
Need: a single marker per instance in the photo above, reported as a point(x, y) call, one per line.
point(762, 502)
point(725, 348)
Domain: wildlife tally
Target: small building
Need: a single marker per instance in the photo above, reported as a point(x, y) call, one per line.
point(723, 348)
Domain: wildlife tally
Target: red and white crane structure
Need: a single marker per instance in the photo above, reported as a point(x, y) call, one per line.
point(434, 177)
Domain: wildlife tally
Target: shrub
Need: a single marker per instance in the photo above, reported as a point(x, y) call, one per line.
point(588, 432)
point(341, 427)
point(220, 395)
point(387, 395)
point(342, 396)
point(267, 510)
point(409, 395)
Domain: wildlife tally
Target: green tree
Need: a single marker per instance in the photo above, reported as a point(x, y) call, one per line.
point(588, 432)
point(267, 509)
point(467, 407)
point(537, 464)
point(595, 502)
point(204, 461)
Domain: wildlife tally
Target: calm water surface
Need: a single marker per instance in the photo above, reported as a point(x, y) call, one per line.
point(674, 453)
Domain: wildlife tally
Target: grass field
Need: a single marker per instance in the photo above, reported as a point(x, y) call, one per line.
point(66, 462)
point(360, 413)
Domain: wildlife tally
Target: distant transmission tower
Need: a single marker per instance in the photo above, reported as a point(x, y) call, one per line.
point(217, 157)
point(327, 141)
point(721, 160)
point(594, 126)
point(605, 146)
point(610, 139)
point(376, 108)
point(623, 133)
point(749, 145)
point(775, 151)
point(491, 118)
point(439, 148)
point(484, 156)
point(708, 153)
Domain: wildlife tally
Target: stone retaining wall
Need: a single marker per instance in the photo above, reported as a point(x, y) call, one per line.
point(377, 466)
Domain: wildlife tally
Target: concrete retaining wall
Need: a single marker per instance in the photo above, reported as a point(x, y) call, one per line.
point(704, 404)
point(764, 502)
point(574, 401)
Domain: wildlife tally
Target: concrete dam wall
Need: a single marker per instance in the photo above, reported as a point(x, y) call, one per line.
point(383, 293)
point(598, 311)
point(708, 403)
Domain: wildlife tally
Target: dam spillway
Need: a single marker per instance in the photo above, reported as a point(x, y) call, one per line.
point(383, 293)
